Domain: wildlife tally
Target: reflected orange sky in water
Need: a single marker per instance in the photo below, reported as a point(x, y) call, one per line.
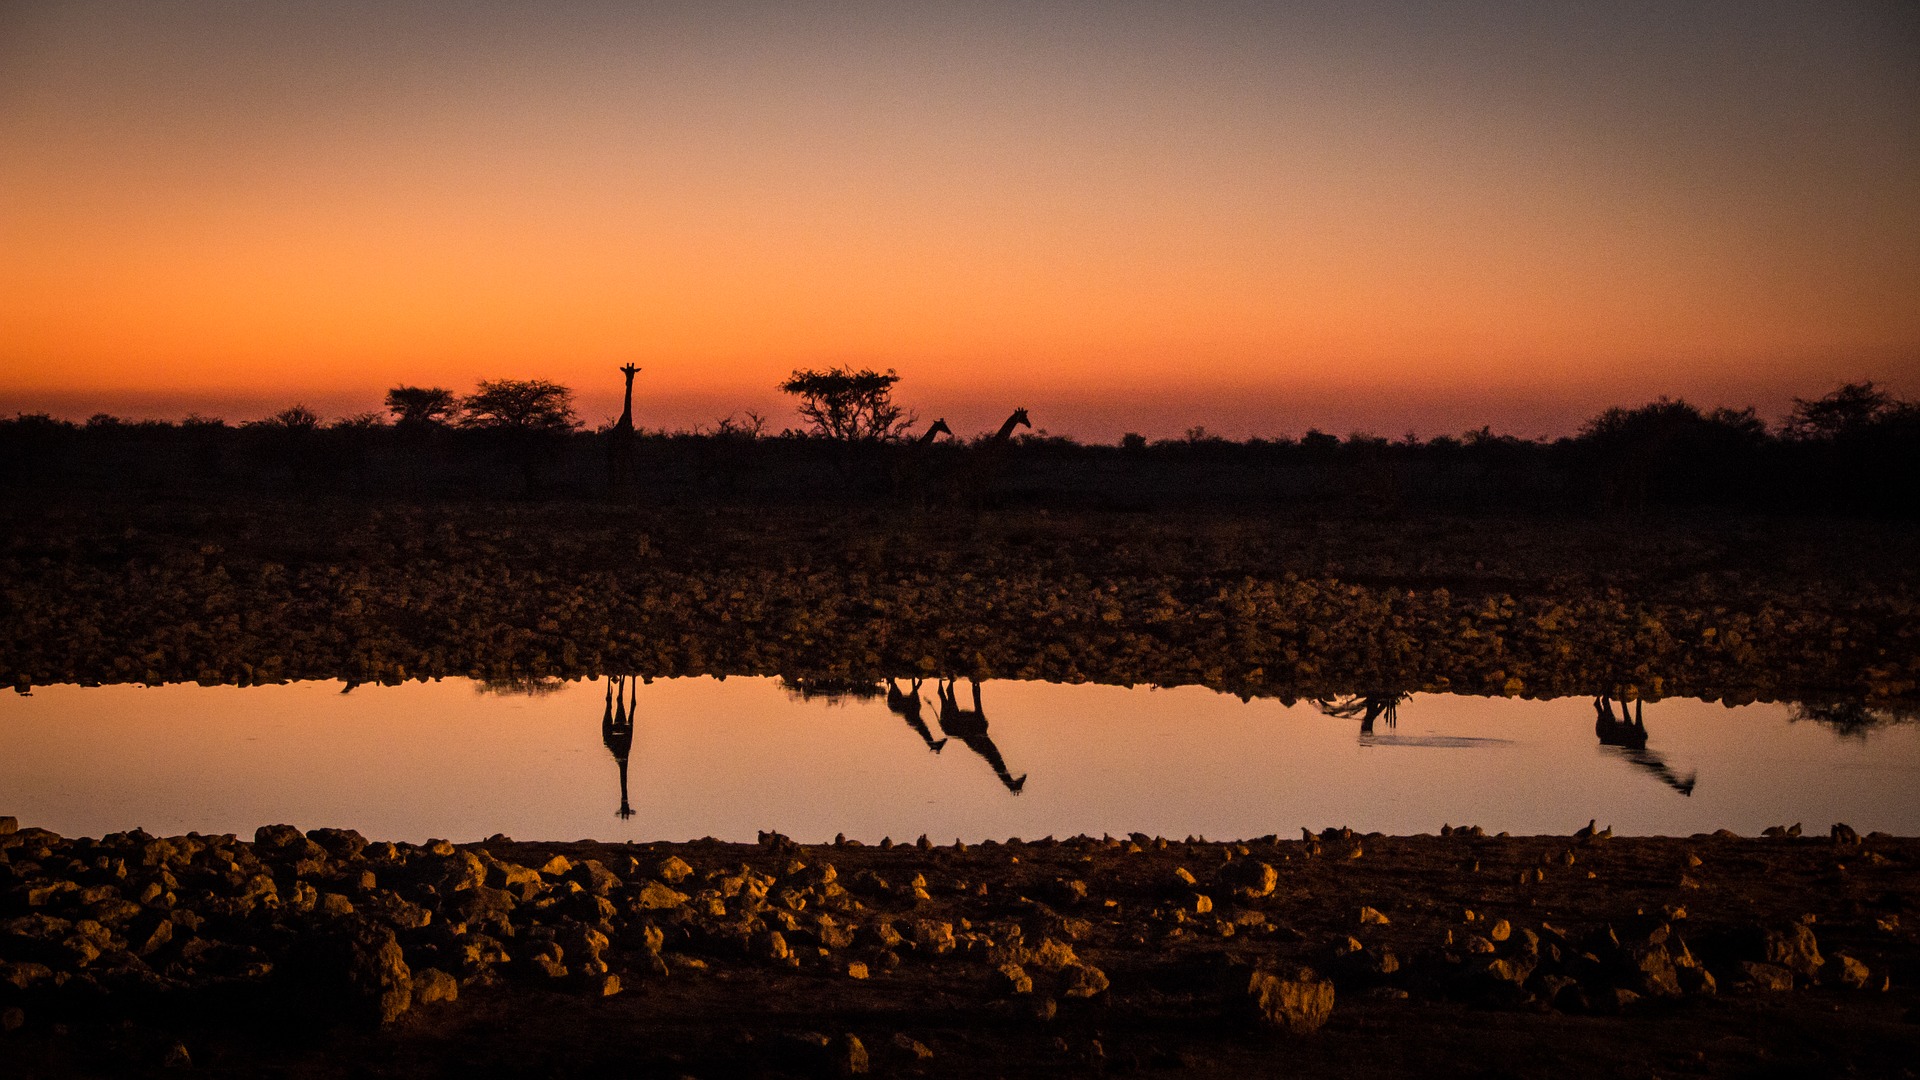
point(1137, 217)
point(730, 758)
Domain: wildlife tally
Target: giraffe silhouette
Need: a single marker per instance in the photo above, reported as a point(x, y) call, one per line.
point(1005, 434)
point(907, 474)
point(986, 461)
point(1628, 734)
point(616, 729)
point(970, 727)
point(906, 705)
point(620, 441)
point(1367, 707)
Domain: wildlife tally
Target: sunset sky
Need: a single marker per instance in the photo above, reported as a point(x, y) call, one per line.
point(1126, 216)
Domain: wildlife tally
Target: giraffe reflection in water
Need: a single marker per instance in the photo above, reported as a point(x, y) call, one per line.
point(970, 727)
point(1627, 734)
point(616, 728)
point(906, 705)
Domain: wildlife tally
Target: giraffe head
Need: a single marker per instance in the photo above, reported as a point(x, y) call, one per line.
point(1019, 418)
point(937, 427)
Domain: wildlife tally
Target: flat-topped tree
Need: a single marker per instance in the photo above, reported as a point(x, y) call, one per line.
point(849, 405)
point(419, 406)
point(525, 406)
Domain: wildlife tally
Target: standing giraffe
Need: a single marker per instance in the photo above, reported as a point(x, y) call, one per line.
point(970, 727)
point(616, 728)
point(620, 441)
point(986, 459)
point(908, 463)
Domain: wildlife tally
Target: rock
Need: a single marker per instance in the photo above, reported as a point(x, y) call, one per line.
point(654, 896)
point(856, 969)
point(356, 965)
point(1249, 878)
point(1501, 930)
point(1853, 973)
point(1794, 949)
point(913, 1046)
point(9, 825)
point(556, 866)
point(1372, 917)
point(933, 936)
point(1082, 980)
point(339, 843)
point(1051, 954)
point(771, 945)
point(593, 876)
point(1843, 835)
point(1697, 980)
point(673, 870)
point(12, 1018)
point(1010, 978)
point(1294, 1000)
point(1770, 978)
point(175, 1056)
point(285, 843)
point(850, 1054)
point(432, 986)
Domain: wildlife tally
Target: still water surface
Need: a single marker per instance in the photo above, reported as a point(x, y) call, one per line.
point(727, 758)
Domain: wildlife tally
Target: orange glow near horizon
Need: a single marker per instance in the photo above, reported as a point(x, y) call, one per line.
point(283, 205)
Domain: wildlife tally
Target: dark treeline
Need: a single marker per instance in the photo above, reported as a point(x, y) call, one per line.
point(1855, 451)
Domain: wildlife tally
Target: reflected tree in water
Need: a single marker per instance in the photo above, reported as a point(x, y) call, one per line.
point(616, 729)
point(1627, 734)
point(970, 727)
point(906, 705)
point(1367, 708)
point(830, 691)
point(1848, 719)
point(528, 685)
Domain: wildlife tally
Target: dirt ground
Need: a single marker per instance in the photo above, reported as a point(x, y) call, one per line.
point(1456, 955)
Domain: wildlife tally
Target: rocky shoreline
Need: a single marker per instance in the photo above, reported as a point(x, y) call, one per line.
point(1271, 606)
point(1582, 954)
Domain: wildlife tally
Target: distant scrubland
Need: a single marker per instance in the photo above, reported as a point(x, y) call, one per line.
point(1855, 451)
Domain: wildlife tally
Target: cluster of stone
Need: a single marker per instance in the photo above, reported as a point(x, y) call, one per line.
point(372, 929)
point(369, 930)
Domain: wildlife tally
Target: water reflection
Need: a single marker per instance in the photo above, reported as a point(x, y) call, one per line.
point(616, 729)
point(1627, 735)
point(1368, 707)
point(906, 705)
point(813, 759)
point(1849, 719)
point(970, 727)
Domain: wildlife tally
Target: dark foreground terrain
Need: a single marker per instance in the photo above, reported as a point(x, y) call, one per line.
point(322, 954)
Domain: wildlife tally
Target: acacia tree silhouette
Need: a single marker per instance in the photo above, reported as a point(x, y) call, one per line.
point(520, 406)
point(526, 417)
point(418, 406)
point(849, 405)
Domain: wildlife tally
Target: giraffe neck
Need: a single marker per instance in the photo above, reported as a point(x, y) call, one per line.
point(1006, 429)
point(626, 411)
